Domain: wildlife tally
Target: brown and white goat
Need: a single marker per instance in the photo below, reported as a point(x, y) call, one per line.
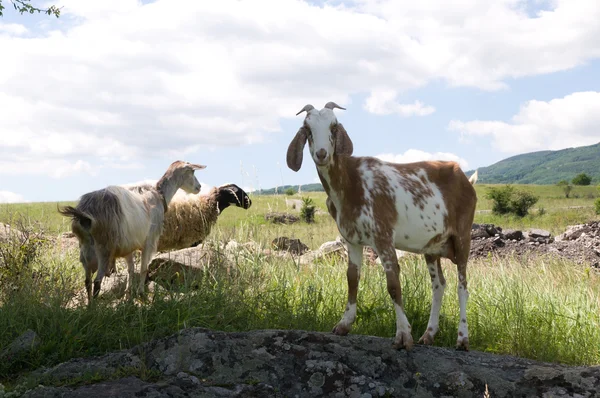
point(422, 207)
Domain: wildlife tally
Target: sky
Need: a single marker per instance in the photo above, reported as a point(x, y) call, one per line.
point(114, 91)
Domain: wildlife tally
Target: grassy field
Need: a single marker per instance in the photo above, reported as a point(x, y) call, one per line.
point(541, 308)
point(559, 212)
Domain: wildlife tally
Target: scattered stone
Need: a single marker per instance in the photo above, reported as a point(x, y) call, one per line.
point(540, 236)
point(477, 232)
point(513, 234)
point(282, 218)
point(332, 247)
point(294, 246)
point(579, 243)
point(498, 241)
point(20, 347)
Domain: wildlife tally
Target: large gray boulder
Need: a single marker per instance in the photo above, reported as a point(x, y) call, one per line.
point(290, 363)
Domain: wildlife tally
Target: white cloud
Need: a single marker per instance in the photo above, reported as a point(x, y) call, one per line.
point(55, 168)
point(118, 81)
point(571, 121)
point(416, 155)
point(12, 29)
point(383, 102)
point(11, 197)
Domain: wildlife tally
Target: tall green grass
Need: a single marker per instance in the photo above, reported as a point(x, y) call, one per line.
point(541, 309)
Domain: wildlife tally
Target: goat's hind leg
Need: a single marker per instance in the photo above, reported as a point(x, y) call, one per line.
point(131, 274)
point(353, 275)
point(389, 260)
point(462, 342)
point(438, 285)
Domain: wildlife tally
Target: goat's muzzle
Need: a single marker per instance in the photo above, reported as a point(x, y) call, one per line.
point(321, 157)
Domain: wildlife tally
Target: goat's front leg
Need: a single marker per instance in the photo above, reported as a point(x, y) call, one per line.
point(147, 253)
point(88, 282)
point(131, 272)
point(353, 275)
point(438, 285)
point(105, 257)
point(389, 260)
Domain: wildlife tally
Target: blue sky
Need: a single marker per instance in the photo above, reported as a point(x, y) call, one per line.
point(114, 91)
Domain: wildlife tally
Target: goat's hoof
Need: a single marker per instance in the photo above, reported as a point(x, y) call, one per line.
point(403, 340)
point(426, 339)
point(341, 329)
point(462, 344)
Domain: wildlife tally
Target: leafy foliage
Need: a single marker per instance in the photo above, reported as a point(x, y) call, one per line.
point(597, 205)
point(289, 191)
point(582, 179)
point(20, 246)
point(25, 6)
point(509, 200)
point(307, 212)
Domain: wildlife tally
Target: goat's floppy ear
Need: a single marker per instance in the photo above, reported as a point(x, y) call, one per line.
point(294, 152)
point(343, 143)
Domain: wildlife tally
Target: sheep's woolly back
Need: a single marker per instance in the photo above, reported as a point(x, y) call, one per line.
point(188, 220)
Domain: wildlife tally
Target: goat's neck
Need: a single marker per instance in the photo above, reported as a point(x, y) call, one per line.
point(334, 177)
point(168, 187)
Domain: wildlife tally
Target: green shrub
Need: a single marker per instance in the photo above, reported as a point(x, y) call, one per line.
point(501, 199)
point(522, 202)
point(307, 212)
point(597, 205)
point(289, 191)
point(508, 200)
point(20, 246)
point(582, 179)
point(566, 187)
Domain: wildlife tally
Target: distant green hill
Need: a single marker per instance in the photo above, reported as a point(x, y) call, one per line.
point(543, 167)
point(281, 190)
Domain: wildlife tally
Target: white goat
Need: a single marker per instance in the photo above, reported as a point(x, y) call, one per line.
point(115, 221)
point(421, 207)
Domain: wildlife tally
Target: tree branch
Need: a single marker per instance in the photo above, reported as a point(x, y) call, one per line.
point(25, 6)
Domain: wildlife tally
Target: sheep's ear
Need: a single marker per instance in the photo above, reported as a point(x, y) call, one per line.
point(343, 143)
point(294, 152)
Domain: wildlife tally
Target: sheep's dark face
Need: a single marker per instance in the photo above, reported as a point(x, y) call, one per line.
point(232, 195)
point(325, 136)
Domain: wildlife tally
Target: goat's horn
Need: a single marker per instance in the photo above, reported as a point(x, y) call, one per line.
point(333, 105)
point(306, 108)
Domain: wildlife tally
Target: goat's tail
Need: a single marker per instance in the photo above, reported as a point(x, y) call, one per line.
point(473, 178)
point(83, 219)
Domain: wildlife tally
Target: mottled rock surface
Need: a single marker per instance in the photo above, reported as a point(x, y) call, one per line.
point(275, 363)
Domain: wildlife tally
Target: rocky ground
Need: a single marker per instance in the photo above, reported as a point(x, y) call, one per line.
point(579, 243)
point(290, 363)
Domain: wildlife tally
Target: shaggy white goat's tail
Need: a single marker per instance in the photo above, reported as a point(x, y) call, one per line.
point(82, 219)
point(473, 178)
